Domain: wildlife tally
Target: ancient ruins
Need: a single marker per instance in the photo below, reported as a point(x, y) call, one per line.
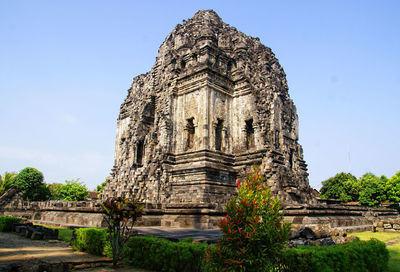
point(215, 103)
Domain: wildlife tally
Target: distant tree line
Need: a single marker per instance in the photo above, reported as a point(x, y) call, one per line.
point(368, 190)
point(31, 184)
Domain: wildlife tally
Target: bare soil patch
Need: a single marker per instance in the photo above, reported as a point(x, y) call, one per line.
point(23, 254)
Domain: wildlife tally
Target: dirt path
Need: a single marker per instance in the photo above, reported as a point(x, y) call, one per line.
point(35, 255)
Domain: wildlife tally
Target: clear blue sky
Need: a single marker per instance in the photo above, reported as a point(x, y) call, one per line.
point(65, 67)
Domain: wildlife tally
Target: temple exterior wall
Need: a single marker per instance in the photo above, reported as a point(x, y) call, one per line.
point(214, 104)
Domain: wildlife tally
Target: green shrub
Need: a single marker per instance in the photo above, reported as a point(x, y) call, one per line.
point(91, 240)
point(187, 240)
point(356, 256)
point(159, 254)
point(254, 232)
point(162, 255)
point(6, 223)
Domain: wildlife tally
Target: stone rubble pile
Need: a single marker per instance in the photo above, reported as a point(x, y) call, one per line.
point(389, 225)
point(35, 232)
point(307, 237)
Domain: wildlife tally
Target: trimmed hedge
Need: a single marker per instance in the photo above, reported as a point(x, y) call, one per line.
point(6, 223)
point(91, 240)
point(356, 256)
point(159, 254)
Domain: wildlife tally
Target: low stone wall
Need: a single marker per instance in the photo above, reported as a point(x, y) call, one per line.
point(336, 216)
point(320, 218)
point(388, 225)
point(56, 213)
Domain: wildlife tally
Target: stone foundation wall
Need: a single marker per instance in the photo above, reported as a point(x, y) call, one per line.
point(204, 216)
point(203, 193)
point(56, 213)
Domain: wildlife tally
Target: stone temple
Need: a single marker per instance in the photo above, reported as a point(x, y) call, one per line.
point(215, 103)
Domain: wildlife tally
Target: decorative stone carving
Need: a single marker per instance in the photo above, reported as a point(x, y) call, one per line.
point(215, 103)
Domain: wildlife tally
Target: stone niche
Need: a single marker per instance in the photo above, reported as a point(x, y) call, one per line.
point(215, 103)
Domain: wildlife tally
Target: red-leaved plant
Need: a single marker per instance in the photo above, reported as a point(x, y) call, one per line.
point(253, 229)
point(120, 214)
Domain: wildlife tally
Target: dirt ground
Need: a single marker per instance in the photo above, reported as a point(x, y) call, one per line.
point(28, 254)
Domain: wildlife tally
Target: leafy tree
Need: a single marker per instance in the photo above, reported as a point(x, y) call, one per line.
point(55, 189)
point(368, 190)
point(253, 229)
point(72, 190)
point(352, 187)
point(372, 191)
point(6, 181)
point(392, 188)
point(384, 179)
point(101, 187)
point(343, 186)
point(30, 181)
point(120, 214)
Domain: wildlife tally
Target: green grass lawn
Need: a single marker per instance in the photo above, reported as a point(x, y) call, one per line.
point(394, 260)
point(394, 250)
point(381, 236)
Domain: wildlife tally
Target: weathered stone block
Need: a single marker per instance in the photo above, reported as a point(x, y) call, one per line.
point(390, 230)
point(299, 242)
point(28, 232)
point(307, 233)
point(387, 226)
point(21, 230)
point(50, 234)
point(339, 240)
point(322, 233)
point(37, 235)
point(293, 234)
point(350, 238)
point(324, 242)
